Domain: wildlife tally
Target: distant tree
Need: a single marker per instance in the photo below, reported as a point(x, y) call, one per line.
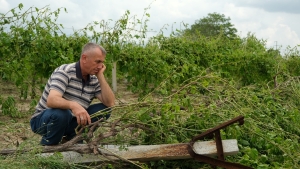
point(213, 25)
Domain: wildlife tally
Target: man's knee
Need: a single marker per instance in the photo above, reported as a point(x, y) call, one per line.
point(61, 115)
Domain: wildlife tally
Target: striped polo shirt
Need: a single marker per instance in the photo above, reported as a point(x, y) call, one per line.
point(67, 79)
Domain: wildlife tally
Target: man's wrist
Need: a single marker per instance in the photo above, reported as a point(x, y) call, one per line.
point(100, 76)
point(72, 105)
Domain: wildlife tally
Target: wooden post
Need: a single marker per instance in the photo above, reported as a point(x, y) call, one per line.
point(114, 77)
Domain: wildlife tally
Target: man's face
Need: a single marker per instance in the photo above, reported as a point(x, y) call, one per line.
point(94, 61)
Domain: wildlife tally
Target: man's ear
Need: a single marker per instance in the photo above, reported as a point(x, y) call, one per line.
point(84, 58)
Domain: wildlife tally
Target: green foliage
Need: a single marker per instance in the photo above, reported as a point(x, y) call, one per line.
point(9, 108)
point(144, 67)
point(292, 51)
point(293, 66)
point(244, 60)
point(31, 161)
point(174, 164)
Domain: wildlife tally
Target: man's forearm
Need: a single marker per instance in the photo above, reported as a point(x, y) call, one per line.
point(108, 97)
point(54, 101)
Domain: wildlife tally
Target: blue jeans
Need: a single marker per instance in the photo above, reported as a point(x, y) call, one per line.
point(53, 124)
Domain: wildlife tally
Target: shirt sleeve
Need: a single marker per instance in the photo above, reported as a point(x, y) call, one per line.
point(59, 81)
point(97, 89)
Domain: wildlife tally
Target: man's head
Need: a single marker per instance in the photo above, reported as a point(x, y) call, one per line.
point(92, 58)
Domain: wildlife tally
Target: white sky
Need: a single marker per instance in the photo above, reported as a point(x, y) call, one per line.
point(276, 21)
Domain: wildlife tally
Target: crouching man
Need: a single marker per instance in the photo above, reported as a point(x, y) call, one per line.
point(66, 99)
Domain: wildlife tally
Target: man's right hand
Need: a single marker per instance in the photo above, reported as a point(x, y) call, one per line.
point(83, 118)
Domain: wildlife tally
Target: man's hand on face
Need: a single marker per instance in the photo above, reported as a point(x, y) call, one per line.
point(101, 71)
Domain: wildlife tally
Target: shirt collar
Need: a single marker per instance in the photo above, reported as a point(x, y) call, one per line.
point(79, 73)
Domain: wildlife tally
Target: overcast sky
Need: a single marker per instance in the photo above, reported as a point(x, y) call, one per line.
point(276, 21)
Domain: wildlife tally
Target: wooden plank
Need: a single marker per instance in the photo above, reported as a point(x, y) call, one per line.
point(151, 152)
point(114, 77)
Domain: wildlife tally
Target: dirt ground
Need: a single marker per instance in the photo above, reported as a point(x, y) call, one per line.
point(14, 131)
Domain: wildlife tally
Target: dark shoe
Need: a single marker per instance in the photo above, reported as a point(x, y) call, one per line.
point(64, 140)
